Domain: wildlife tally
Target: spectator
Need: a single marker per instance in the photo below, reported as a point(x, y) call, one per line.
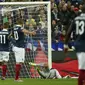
point(54, 13)
point(72, 13)
point(76, 10)
point(43, 21)
point(31, 20)
point(54, 28)
point(80, 8)
point(68, 5)
point(64, 16)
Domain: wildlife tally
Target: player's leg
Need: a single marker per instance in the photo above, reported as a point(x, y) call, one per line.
point(81, 62)
point(20, 57)
point(1, 61)
point(54, 74)
point(5, 56)
point(81, 77)
point(57, 74)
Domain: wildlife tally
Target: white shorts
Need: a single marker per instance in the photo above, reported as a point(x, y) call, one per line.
point(4, 56)
point(81, 60)
point(19, 54)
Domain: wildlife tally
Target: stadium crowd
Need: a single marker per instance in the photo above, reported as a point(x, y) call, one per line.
point(62, 13)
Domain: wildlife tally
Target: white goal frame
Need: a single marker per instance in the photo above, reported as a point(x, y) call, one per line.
point(49, 23)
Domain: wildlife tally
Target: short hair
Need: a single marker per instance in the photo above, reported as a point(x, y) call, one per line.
point(83, 8)
point(19, 21)
point(6, 25)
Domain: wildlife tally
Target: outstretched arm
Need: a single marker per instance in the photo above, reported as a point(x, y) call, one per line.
point(68, 34)
point(28, 32)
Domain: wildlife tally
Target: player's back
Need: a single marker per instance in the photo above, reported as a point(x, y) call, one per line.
point(4, 40)
point(80, 32)
point(18, 36)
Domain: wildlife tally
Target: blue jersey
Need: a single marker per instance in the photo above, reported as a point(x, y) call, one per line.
point(4, 40)
point(78, 27)
point(18, 36)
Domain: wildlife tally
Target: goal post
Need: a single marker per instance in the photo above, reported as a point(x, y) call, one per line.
point(34, 14)
point(49, 37)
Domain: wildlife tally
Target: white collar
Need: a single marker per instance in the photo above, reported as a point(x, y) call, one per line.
point(4, 29)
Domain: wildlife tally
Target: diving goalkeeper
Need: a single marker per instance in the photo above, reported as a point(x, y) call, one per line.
point(45, 72)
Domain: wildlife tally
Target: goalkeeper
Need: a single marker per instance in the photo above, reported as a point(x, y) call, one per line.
point(45, 72)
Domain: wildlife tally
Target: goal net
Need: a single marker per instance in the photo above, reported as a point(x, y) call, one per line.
point(36, 17)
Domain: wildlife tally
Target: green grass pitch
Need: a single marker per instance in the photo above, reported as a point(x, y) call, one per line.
point(28, 81)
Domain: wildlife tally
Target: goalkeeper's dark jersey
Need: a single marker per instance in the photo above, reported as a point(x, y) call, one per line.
point(4, 40)
point(18, 36)
point(78, 26)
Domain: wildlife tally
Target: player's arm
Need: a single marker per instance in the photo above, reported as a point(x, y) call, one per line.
point(41, 73)
point(28, 32)
point(10, 33)
point(67, 37)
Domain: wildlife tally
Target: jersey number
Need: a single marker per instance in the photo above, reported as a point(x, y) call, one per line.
point(80, 27)
point(2, 39)
point(16, 37)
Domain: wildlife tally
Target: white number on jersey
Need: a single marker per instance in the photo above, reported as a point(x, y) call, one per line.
point(80, 27)
point(2, 39)
point(16, 37)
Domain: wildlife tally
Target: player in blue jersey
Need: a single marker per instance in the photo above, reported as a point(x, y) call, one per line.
point(78, 26)
point(4, 48)
point(19, 46)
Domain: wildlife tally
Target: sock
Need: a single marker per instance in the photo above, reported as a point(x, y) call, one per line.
point(17, 71)
point(4, 69)
point(81, 77)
